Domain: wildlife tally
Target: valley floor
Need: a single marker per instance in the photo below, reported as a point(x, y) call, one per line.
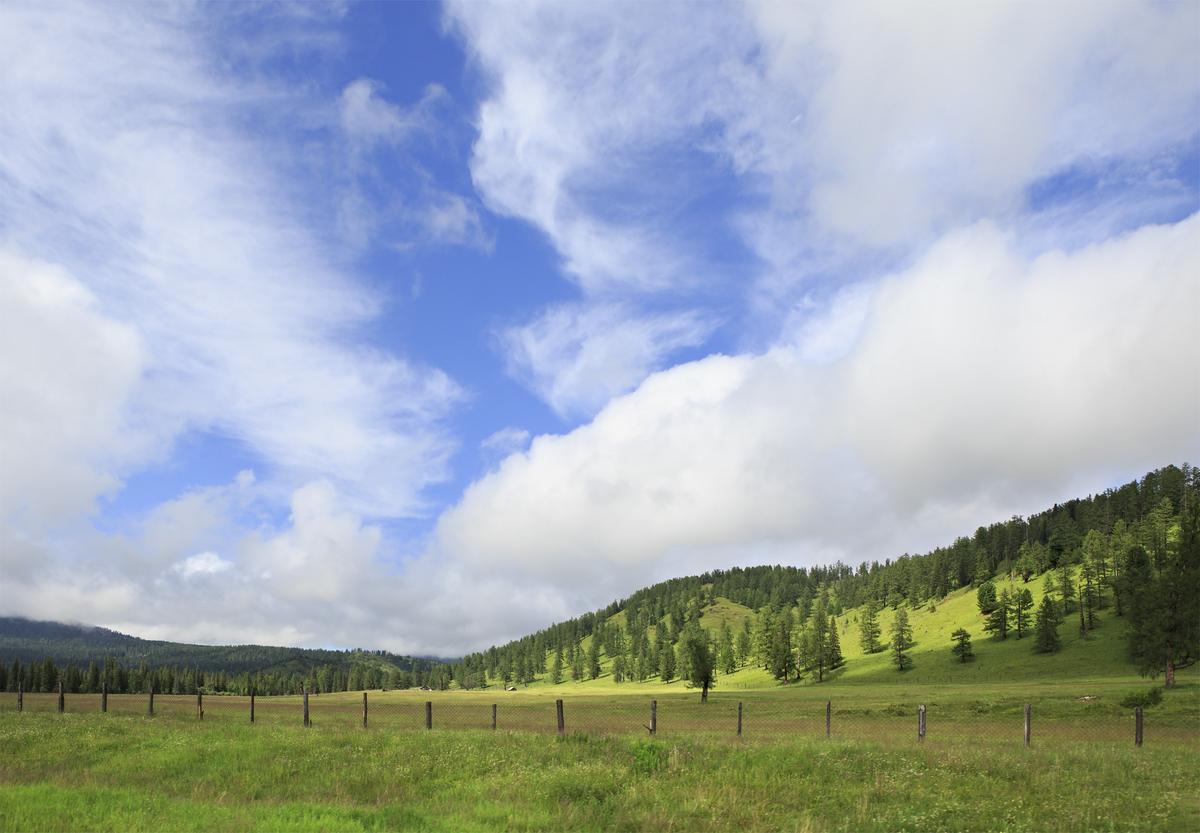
point(123, 770)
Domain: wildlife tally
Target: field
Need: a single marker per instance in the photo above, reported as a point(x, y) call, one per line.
point(126, 772)
point(972, 771)
point(123, 770)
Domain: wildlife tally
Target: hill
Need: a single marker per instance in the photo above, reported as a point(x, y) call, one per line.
point(33, 643)
point(1089, 540)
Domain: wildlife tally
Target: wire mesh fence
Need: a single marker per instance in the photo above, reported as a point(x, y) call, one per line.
point(743, 715)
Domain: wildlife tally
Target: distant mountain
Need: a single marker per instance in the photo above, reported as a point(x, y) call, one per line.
point(33, 641)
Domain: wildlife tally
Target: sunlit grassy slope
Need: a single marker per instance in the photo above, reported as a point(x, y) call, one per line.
point(1099, 655)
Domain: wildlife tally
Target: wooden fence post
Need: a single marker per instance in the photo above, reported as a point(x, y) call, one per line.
point(654, 717)
point(739, 718)
point(921, 723)
point(493, 716)
point(104, 697)
point(150, 702)
point(428, 714)
point(364, 710)
point(20, 696)
point(199, 705)
point(562, 726)
point(828, 716)
point(62, 703)
point(252, 705)
point(1028, 723)
point(1137, 726)
point(304, 691)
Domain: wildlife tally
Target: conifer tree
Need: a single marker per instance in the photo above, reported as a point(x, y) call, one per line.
point(701, 663)
point(577, 666)
point(1046, 628)
point(962, 645)
point(901, 640)
point(593, 658)
point(997, 622)
point(986, 598)
point(726, 656)
point(836, 660)
point(1022, 603)
point(1066, 589)
point(556, 671)
point(744, 643)
point(667, 667)
point(869, 629)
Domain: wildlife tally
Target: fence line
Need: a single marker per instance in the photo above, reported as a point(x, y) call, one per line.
point(563, 717)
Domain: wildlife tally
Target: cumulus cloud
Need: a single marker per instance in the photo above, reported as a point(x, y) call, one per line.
point(68, 374)
point(979, 379)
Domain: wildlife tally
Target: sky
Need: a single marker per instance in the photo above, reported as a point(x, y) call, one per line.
point(422, 326)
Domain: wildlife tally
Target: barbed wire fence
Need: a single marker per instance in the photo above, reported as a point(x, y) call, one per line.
point(727, 716)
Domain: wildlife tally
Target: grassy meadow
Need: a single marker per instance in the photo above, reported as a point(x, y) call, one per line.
point(125, 770)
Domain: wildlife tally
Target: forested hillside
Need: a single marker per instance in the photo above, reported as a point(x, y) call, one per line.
point(1129, 553)
point(1107, 584)
point(38, 652)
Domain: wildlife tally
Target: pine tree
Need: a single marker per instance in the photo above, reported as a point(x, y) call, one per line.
point(869, 629)
point(744, 643)
point(593, 658)
point(1089, 591)
point(1066, 589)
point(577, 666)
point(997, 622)
point(986, 597)
point(781, 658)
point(1022, 603)
point(667, 667)
point(726, 656)
point(901, 640)
point(962, 645)
point(1046, 634)
point(836, 660)
point(700, 661)
point(556, 671)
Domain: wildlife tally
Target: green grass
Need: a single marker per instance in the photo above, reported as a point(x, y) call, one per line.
point(91, 771)
point(1101, 654)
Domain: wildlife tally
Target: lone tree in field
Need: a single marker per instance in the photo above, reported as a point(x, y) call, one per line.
point(702, 664)
point(962, 645)
point(902, 640)
point(1045, 640)
point(869, 630)
point(1021, 605)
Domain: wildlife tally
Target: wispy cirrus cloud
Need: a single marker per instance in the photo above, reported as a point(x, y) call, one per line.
point(130, 172)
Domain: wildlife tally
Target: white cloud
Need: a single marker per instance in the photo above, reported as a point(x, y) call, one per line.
point(981, 383)
point(202, 563)
point(505, 441)
point(577, 357)
point(125, 162)
point(68, 374)
point(851, 127)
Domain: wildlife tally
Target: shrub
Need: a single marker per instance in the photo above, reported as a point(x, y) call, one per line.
point(1145, 699)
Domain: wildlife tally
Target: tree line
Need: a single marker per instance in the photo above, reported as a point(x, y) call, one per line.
point(795, 633)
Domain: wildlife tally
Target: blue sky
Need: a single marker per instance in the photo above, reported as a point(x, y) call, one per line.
point(420, 325)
